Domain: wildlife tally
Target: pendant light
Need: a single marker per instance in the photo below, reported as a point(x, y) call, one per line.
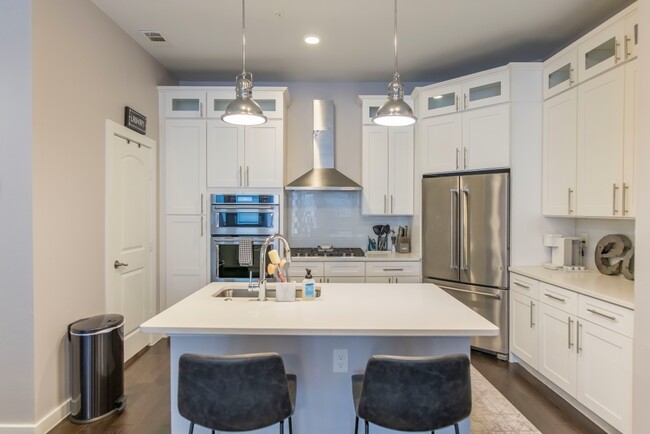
point(395, 112)
point(243, 110)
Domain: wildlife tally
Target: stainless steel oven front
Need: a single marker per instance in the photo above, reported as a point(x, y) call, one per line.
point(237, 216)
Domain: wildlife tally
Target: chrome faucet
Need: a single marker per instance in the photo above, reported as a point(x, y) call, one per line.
point(287, 254)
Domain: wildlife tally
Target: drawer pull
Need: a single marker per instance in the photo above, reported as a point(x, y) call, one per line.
point(392, 269)
point(604, 315)
point(532, 306)
point(570, 324)
point(563, 300)
point(521, 285)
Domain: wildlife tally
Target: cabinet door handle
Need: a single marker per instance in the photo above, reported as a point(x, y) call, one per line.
point(396, 280)
point(604, 315)
point(201, 226)
point(241, 184)
point(457, 154)
point(390, 280)
point(465, 101)
point(391, 204)
point(521, 285)
point(616, 45)
point(578, 345)
point(385, 206)
point(247, 182)
point(563, 300)
point(457, 103)
point(614, 189)
point(464, 158)
point(570, 324)
point(569, 196)
point(624, 207)
point(532, 306)
point(571, 81)
point(201, 204)
point(200, 109)
point(626, 44)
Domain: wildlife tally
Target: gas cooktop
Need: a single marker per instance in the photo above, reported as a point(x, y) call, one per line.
point(327, 251)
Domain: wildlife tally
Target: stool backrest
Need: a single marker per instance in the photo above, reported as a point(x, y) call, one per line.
point(233, 393)
point(416, 393)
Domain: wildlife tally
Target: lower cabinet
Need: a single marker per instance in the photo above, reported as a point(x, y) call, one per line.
point(581, 344)
point(331, 272)
point(393, 272)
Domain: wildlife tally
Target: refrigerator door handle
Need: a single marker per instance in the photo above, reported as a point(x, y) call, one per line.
point(453, 205)
point(486, 294)
point(464, 228)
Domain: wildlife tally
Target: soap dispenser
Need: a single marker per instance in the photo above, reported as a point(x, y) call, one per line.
point(308, 286)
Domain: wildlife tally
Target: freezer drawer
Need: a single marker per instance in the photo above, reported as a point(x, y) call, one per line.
point(492, 304)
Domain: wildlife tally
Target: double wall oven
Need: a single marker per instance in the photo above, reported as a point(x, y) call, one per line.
point(234, 217)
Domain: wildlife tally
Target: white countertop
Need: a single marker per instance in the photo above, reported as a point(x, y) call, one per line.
point(372, 256)
point(344, 309)
point(613, 289)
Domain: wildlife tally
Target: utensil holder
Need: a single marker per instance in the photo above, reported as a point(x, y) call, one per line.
point(404, 245)
point(285, 291)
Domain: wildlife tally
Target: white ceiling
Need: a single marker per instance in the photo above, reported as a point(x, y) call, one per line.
point(438, 39)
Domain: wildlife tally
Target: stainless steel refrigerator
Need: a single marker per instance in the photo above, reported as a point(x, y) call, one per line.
point(466, 244)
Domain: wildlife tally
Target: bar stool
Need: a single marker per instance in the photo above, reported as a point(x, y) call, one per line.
point(235, 393)
point(413, 393)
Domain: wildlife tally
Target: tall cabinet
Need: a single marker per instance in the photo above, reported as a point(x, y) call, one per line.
point(201, 155)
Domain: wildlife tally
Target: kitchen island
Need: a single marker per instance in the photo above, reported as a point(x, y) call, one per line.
point(364, 319)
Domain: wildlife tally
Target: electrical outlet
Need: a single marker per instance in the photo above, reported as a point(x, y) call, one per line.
point(340, 360)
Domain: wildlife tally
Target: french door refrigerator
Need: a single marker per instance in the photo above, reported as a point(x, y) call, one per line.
point(466, 244)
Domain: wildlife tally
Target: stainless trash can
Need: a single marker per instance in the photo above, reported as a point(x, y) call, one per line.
point(97, 356)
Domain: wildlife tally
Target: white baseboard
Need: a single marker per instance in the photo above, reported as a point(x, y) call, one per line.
point(42, 426)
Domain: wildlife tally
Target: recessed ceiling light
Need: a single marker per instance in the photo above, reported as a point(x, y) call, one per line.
point(312, 39)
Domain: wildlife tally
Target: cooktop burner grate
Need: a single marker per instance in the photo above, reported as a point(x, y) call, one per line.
point(334, 251)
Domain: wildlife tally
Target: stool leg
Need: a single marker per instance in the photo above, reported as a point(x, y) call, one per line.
point(191, 428)
point(356, 425)
point(282, 427)
point(456, 428)
point(290, 426)
point(367, 427)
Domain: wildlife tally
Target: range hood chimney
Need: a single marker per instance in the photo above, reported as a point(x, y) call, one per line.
point(323, 176)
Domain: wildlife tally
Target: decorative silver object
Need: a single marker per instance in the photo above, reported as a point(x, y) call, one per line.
point(609, 249)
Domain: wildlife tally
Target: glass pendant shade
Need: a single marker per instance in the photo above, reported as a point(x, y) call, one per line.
point(395, 112)
point(243, 110)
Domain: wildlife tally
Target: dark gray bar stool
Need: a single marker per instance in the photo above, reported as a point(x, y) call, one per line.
point(235, 393)
point(413, 393)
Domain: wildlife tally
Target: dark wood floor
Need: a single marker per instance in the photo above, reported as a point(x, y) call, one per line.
point(148, 411)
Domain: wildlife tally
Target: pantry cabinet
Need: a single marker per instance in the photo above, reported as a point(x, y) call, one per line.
point(387, 170)
point(245, 156)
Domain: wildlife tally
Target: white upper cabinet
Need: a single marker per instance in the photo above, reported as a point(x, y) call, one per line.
point(602, 51)
point(387, 170)
point(184, 104)
point(442, 139)
point(245, 156)
point(560, 73)
point(478, 91)
point(184, 166)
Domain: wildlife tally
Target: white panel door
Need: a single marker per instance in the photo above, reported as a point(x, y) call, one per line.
point(557, 347)
point(186, 256)
point(400, 170)
point(442, 139)
point(486, 137)
point(628, 204)
point(184, 157)
point(605, 374)
point(130, 231)
point(601, 106)
point(559, 154)
point(374, 175)
point(523, 328)
point(264, 155)
point(225, 150)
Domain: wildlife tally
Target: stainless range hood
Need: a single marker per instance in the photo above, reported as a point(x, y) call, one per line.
point(323, 176)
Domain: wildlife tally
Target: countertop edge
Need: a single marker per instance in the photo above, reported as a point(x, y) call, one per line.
point(541, 274)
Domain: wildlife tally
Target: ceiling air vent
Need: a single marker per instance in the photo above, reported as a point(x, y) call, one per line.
point(153, 36)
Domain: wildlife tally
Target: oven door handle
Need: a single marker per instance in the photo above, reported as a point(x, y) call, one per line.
point(244, 208)
point(235, 240)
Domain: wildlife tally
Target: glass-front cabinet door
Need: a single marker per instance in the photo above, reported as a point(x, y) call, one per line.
point(184, 104)
point(271, 102)
point(602, 51)
point(487, 90)
point(441, 100)
point(560, 73)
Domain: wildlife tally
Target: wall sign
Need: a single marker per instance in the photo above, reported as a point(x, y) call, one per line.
point(134, 120)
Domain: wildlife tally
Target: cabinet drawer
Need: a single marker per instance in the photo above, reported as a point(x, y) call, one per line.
point(524, 285)
point(298, 269)
point(334, 269)
point(393, 268)
point(560, 298)
point(610, 316)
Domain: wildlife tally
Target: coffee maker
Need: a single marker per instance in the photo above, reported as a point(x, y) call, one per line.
point(564, 251)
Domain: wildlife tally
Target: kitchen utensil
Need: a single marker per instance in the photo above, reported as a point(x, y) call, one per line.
point(372, 244)
point(377, 229)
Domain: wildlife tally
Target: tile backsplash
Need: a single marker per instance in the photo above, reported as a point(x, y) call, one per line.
point(332, 217)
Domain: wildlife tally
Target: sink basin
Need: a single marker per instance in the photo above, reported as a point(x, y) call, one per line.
point(243, 292)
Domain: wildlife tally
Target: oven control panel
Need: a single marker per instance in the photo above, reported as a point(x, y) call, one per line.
point(245, 199)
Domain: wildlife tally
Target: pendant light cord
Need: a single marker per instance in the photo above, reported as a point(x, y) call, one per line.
point(395, 40)
point(243, 34)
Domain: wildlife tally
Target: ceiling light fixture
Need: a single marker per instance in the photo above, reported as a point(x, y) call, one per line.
point(395, 112)
point(312, 39)
point(243, 110)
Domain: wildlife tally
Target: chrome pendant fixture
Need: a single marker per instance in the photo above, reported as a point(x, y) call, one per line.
point(395, 112)
point(243, 110)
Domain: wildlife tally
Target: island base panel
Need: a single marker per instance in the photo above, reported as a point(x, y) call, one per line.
point(324, 398)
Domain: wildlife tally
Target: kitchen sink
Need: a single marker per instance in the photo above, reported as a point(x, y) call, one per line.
point(243, 292)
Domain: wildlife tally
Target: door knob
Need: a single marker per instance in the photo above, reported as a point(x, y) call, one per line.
point(117, 264)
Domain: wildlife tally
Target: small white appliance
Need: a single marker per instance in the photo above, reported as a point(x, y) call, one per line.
point(563, 251)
